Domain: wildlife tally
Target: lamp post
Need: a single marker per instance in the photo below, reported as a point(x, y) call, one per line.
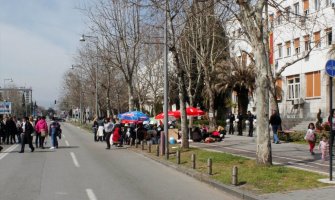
point(166, 84)
point(80, 95)
point(4, 85)
point(82, 39)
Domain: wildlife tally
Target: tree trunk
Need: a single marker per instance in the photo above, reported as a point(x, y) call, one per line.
point(263, 152)
point(130, 95)
point(184, 129)
point(211, 99)
point(243, 100)
point(182, 101)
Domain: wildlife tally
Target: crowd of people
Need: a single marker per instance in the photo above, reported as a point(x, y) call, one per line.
point(23, 131)
point(113, 132)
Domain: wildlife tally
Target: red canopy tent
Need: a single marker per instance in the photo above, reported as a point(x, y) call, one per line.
point(194, 112)
point(175, 114)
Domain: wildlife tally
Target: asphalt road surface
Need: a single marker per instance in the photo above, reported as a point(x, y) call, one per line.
point(82, 169)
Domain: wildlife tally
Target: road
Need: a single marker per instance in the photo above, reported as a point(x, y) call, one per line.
point(289, 154)
point(82, 169)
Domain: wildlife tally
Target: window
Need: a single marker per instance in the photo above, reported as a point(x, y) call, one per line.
point(306, 6)
point(296, 8)
point(317, 4)
point(278, 17)
point(327, 2)
point(288, 10)
point(329, 36)
point(317, 39)
point(279, 89)
point(271, 20)
point(288, 48)
point(293, 86)
point(313, 84)
point(307, 42)
point(280, 50)
point(297, 45)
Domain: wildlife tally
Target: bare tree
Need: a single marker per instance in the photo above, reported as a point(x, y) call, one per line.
point(118, 23)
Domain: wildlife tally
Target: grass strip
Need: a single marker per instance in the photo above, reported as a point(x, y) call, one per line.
point(254, 178)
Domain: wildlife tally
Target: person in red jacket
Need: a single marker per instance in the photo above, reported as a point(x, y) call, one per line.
point(42, 129)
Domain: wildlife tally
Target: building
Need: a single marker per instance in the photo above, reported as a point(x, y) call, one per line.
point(302, 34)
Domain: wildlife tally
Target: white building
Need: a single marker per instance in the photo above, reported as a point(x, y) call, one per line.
point(302, 26)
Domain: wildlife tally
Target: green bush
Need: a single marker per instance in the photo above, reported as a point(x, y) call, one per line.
point(298, 136)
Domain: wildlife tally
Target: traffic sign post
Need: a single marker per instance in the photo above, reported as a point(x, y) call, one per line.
point(330, 70)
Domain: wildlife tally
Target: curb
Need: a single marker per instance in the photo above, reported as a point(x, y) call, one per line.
point(204, 178)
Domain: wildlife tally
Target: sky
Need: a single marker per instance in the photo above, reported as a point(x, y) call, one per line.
point(38, 41)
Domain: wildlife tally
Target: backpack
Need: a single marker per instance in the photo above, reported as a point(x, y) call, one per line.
point(310, 136)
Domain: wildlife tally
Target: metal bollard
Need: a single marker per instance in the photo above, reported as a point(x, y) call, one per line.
point(178, 157)
point(142, 145)
point(209, 166)
point(193, 160)
point(157, 150)
point(149, 148)
point(234, 176)
point(136, 144)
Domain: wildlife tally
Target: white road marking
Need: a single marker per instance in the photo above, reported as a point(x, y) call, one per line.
point(90, 194)
point(63, 136)
point(67, 143)
point(75, 161)
point(7, 151)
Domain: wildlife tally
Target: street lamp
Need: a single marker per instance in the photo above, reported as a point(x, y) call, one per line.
point(4, 85)
point(80, 95)
point(166, 84)
point(82, 39)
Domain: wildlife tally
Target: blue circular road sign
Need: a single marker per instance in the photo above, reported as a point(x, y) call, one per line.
point(330, 68)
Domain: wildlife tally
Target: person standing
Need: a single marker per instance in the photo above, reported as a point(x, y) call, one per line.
point(231, 123)
point(310, 137)
point(2, 132)
point(18, 128)
point(275, 122)
point(324, 147)
point(42, 128)
point(117, 134)
point(53, 133)
point(27, 130)
point(11, 131)
point(109, 129)
point(31, 121)
point(95, 129)
point(240, 124)
point(100, 133)
point(251, 118)
point(38, 134)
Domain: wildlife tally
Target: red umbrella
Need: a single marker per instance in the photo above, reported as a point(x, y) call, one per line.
point(191, 111)
point(175, 114)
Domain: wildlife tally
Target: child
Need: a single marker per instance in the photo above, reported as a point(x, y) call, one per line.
point(310, 137)
point(323, 146)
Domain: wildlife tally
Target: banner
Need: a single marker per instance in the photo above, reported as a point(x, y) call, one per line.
point(5, 108)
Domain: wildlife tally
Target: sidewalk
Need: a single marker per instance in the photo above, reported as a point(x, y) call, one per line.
point(288, 154)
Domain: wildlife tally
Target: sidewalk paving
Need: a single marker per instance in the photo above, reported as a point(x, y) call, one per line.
point(288, 154)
